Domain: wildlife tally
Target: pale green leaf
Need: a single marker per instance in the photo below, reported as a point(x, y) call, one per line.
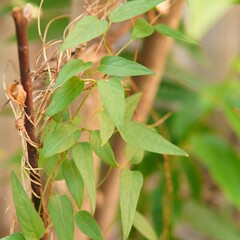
point(142, 225)
point(82, 156)
point(130, 186)
point(87, 224)
point(104, 152)
point(170, 32)
point(107, 126)
point(221, 161)
point(121, 67)
point(132, 9)
point(133, 154)
point(61, 212)
point(74, 181)
point(86, 29)
point(65, 95)
point(112, 96)
point(63, 138)
point(30, 221)
point(147, 139)
point(15, 236)
point(131, 104)
point(71, 69)
point(142, 29)
point(212, 224)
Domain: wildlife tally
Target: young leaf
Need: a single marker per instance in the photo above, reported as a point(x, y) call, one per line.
point(133, 154)
point(70, 70)
point(131, 104)
point(147, 139)
point(60, 140)
point(65, 95)
point(61, 212)
point(142, 29)
point(86, 29)
point(112, 96)
point(87, 224)
point(74, 181)
point(105, 152)
point(132, 9)
point(168, 31)
point(107, 126)
point(121, 67)
point(147, 231)
point(214, 152)
point(130, 186)
point(82, 156)
point(30, 221)
point(15, 236)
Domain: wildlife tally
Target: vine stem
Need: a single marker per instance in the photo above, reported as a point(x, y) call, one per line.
point(21, 18)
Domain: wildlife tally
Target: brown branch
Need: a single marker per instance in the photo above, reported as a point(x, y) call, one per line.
point(153, 55)
point(21, 22)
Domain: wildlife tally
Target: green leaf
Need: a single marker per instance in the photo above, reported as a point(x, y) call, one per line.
point(74, 181)
point(130, 186)
point(71, 69)
point(132, 9)
point(86, 29)
point(147, 139)
point(87, 224)
point(15, 236)
point(104, 152)
point(142, 29)
point(221, 160)
point(65, 95)
point(131, 104)
point(133, 154)
point(61, 212)
point(216, 227)
point(121, 67)
point(142, 225)
point(30, 221)
point(107, 126)
point(54, 163)
point(82, 156)
point(60, 140)
point(170, 32)
point(112, 96)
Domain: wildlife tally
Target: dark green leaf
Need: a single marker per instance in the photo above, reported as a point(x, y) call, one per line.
point(145, 138)
point(142, 225)
point(65, 95)
point(170, 32)
point(131, 104)
point(30, 221)
point(61, 212)
point(71, 69)
point(222, 162)
point(74, 181)
point(104, 152)
point(87, 224)
point(15, 236)
point(82, 156)
point(132, 9)
point(142, 29)
point(86, 29)
point(121, 67)
point(107, 126)
point(112, 96)
point(60, 140)
point(130, 186)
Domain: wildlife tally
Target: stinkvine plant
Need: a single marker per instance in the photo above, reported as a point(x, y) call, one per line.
point(51, 128)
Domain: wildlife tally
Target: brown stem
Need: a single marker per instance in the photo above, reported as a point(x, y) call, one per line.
point(21, 23)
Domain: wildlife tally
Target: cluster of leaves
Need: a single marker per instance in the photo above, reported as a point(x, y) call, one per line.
point(64, 157)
